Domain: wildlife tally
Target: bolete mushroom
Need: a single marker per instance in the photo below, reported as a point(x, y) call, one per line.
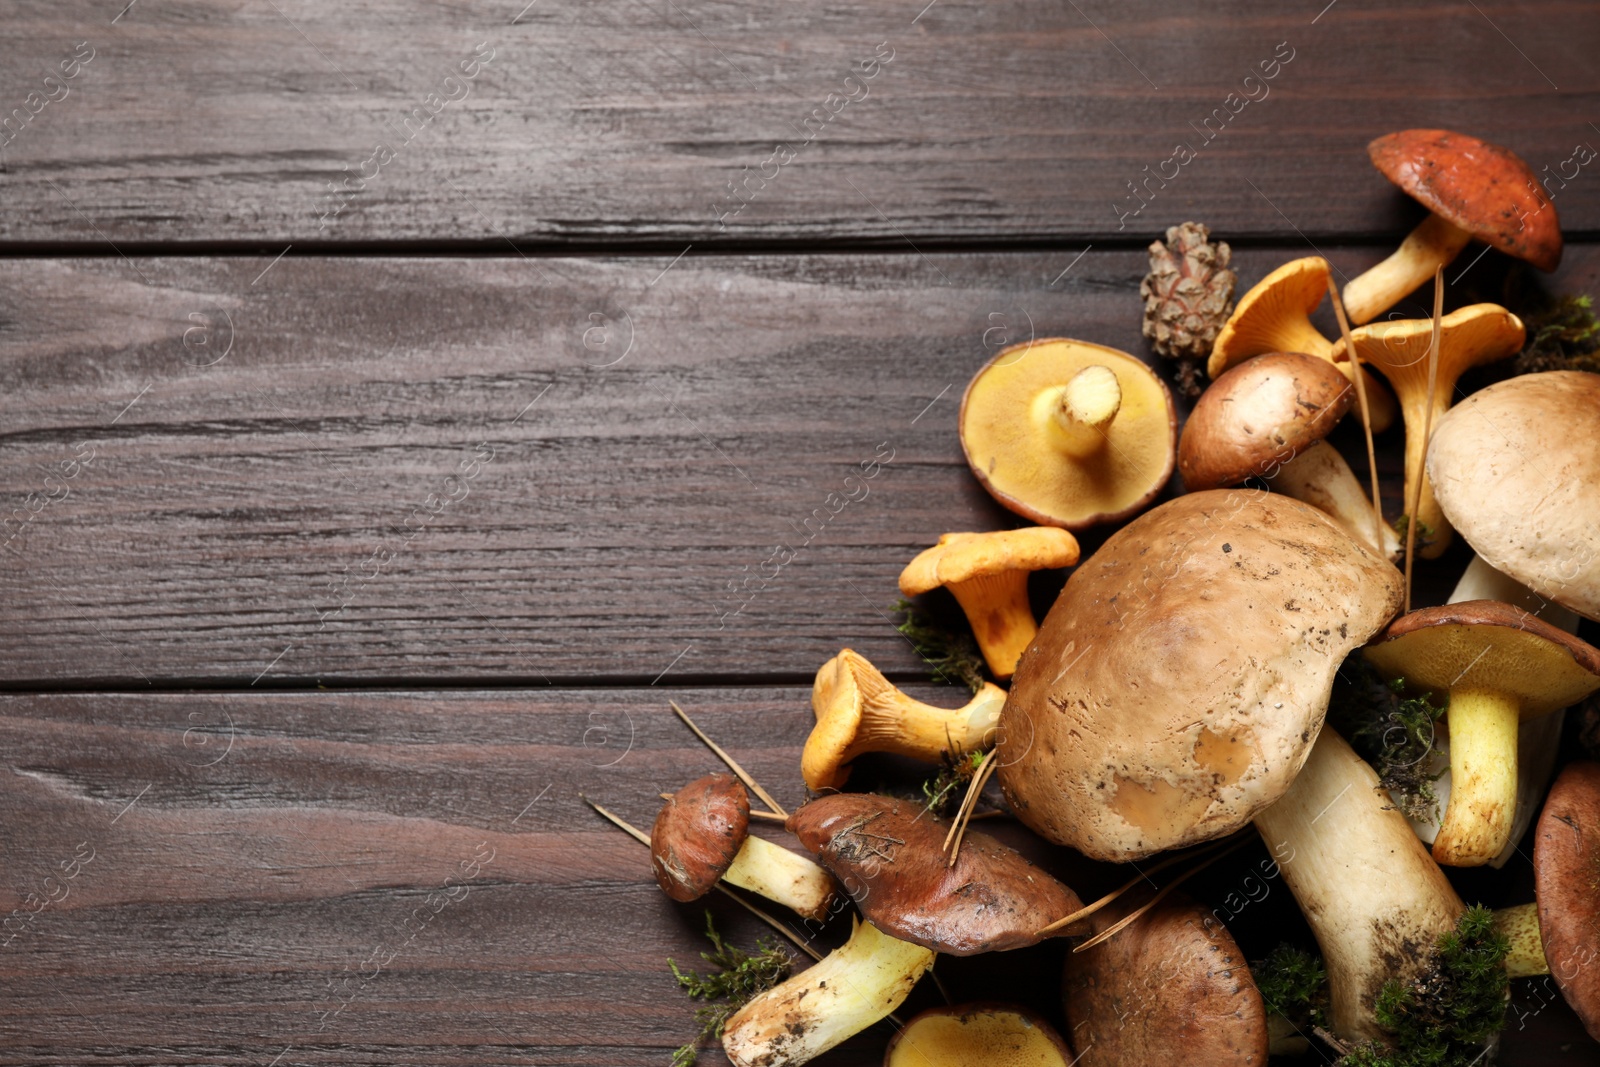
point(987, 573)
point(961, 1035)
point(858, 711)
point(1566, 861)
point(1471, 188)
point(1275, 316)
point(1266, 418)
point(1514, 467)
point(702, 835)
point(1068, 433)
point(1468, 337)
point(1171, 988)
point(1499, 666)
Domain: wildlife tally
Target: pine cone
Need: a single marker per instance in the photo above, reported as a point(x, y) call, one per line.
point(1188, 293)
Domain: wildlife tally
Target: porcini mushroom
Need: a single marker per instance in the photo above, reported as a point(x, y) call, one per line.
point(1275, 316)
point(1267, 418)
point(852, 987)
point(1068, 433)
point(1171, 988)
point(1514, 467)
point(987, 573)
point(1471, 188)
point(996, 1035)
point(888, 855)
point(858, 711)
point(1499, 666)
point(1566, 862)
point(1468, 337)
point(702, 835)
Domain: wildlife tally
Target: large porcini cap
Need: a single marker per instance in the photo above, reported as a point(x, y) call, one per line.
point(961, 1035)
point(889, 856)
point(697, 834)
point(1260, 415)
point(1172, 988)
point(1176, 686)
point(1068, 433)
point(1481, 188)
point(1566, 862)
point(1515, 467)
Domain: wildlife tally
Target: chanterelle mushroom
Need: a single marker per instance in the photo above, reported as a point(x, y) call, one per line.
point(963, 1035)
point(1468, 337)
point(1566, 861)
point(1068, 433)
point(1515, 467)
point(701, 836)
point(1275, 316)
point(988, 575)
point(1472, 189)
point(1267, 418)
point(1500, 665)
point(859, 711)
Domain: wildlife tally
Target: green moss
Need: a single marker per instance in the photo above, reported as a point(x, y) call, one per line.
point(1393, 732)
point(738, 977)
point(949, 783)
point(1293, 984)
point(1563, 334)
point(951, 657)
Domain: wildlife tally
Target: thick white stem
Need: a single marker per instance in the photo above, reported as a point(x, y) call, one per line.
point(781, 876)
point(1482, 582)
point(1319, 476)
point(1430, 246)
point(1086, 406)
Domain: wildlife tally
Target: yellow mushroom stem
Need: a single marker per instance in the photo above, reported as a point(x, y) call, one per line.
point(1435, 242)
point(1520, 926)
point(996, 605)
point(1084, 408)
point(781, 876)
point(853, 987)
point(1483, 777)
point(1319, 476)
point(894, 722)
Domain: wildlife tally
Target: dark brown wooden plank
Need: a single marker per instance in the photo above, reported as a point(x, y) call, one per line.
point(211, 121)
point(266, 518)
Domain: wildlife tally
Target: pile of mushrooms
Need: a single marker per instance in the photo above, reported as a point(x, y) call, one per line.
point(1170, 707)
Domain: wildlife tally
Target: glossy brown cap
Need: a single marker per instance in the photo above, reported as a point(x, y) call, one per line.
point(888, 854)
point(1566, 864)
point(1483, 188)
point(987, 1033)
point(1258, 416)
point(697, 834)
point(1173, 988)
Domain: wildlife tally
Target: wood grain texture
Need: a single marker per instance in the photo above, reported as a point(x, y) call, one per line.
point(314, 505)
point(214, 120)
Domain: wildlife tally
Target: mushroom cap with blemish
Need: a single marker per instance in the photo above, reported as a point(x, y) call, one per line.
point(1021, 468)
point(1258, 324)
point(1260, 415)
point(959, 557)
point(1486, 644)
point(1171, 988)
point(888, 854)
point(986, 1032)
point(1481, 187)
point(1515, 467)
point(1178, 682)
point(697, 834)
point(1566, 870)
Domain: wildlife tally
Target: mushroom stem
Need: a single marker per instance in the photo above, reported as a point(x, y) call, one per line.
point(1319, 476)
point(1483, 777)
point(996, 606)
point(1435, 242)
point(853, 987)
point(1084, 408)
point(1376, 901)
point(781, 876)
point(1520, 926)
point(1482, 582)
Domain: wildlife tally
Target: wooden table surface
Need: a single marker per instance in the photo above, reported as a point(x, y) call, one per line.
point(401, 401)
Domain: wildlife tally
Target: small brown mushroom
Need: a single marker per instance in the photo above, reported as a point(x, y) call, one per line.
point(1472, 189)
point(1566, 862)
point(963, 1035)
point(702, 836)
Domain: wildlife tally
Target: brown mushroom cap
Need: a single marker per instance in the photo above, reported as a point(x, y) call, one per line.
point(959, 557)
point(987, 1033)
point(1484, 644)
point(1005, 435)
point(1173, 988)
point(1515, 468)
point(888, 854)
point(697, 834)
point(1483, 188)
point(1274, 317)
point(1179, 681)
point(1259, 415)
point(1566, 863)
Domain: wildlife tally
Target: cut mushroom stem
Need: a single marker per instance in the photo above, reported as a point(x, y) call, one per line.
point(1520, 926)
point(1087, 404)
point(1434, 243)
point(1319, 476)
point(781, 876)
point(853, 987)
